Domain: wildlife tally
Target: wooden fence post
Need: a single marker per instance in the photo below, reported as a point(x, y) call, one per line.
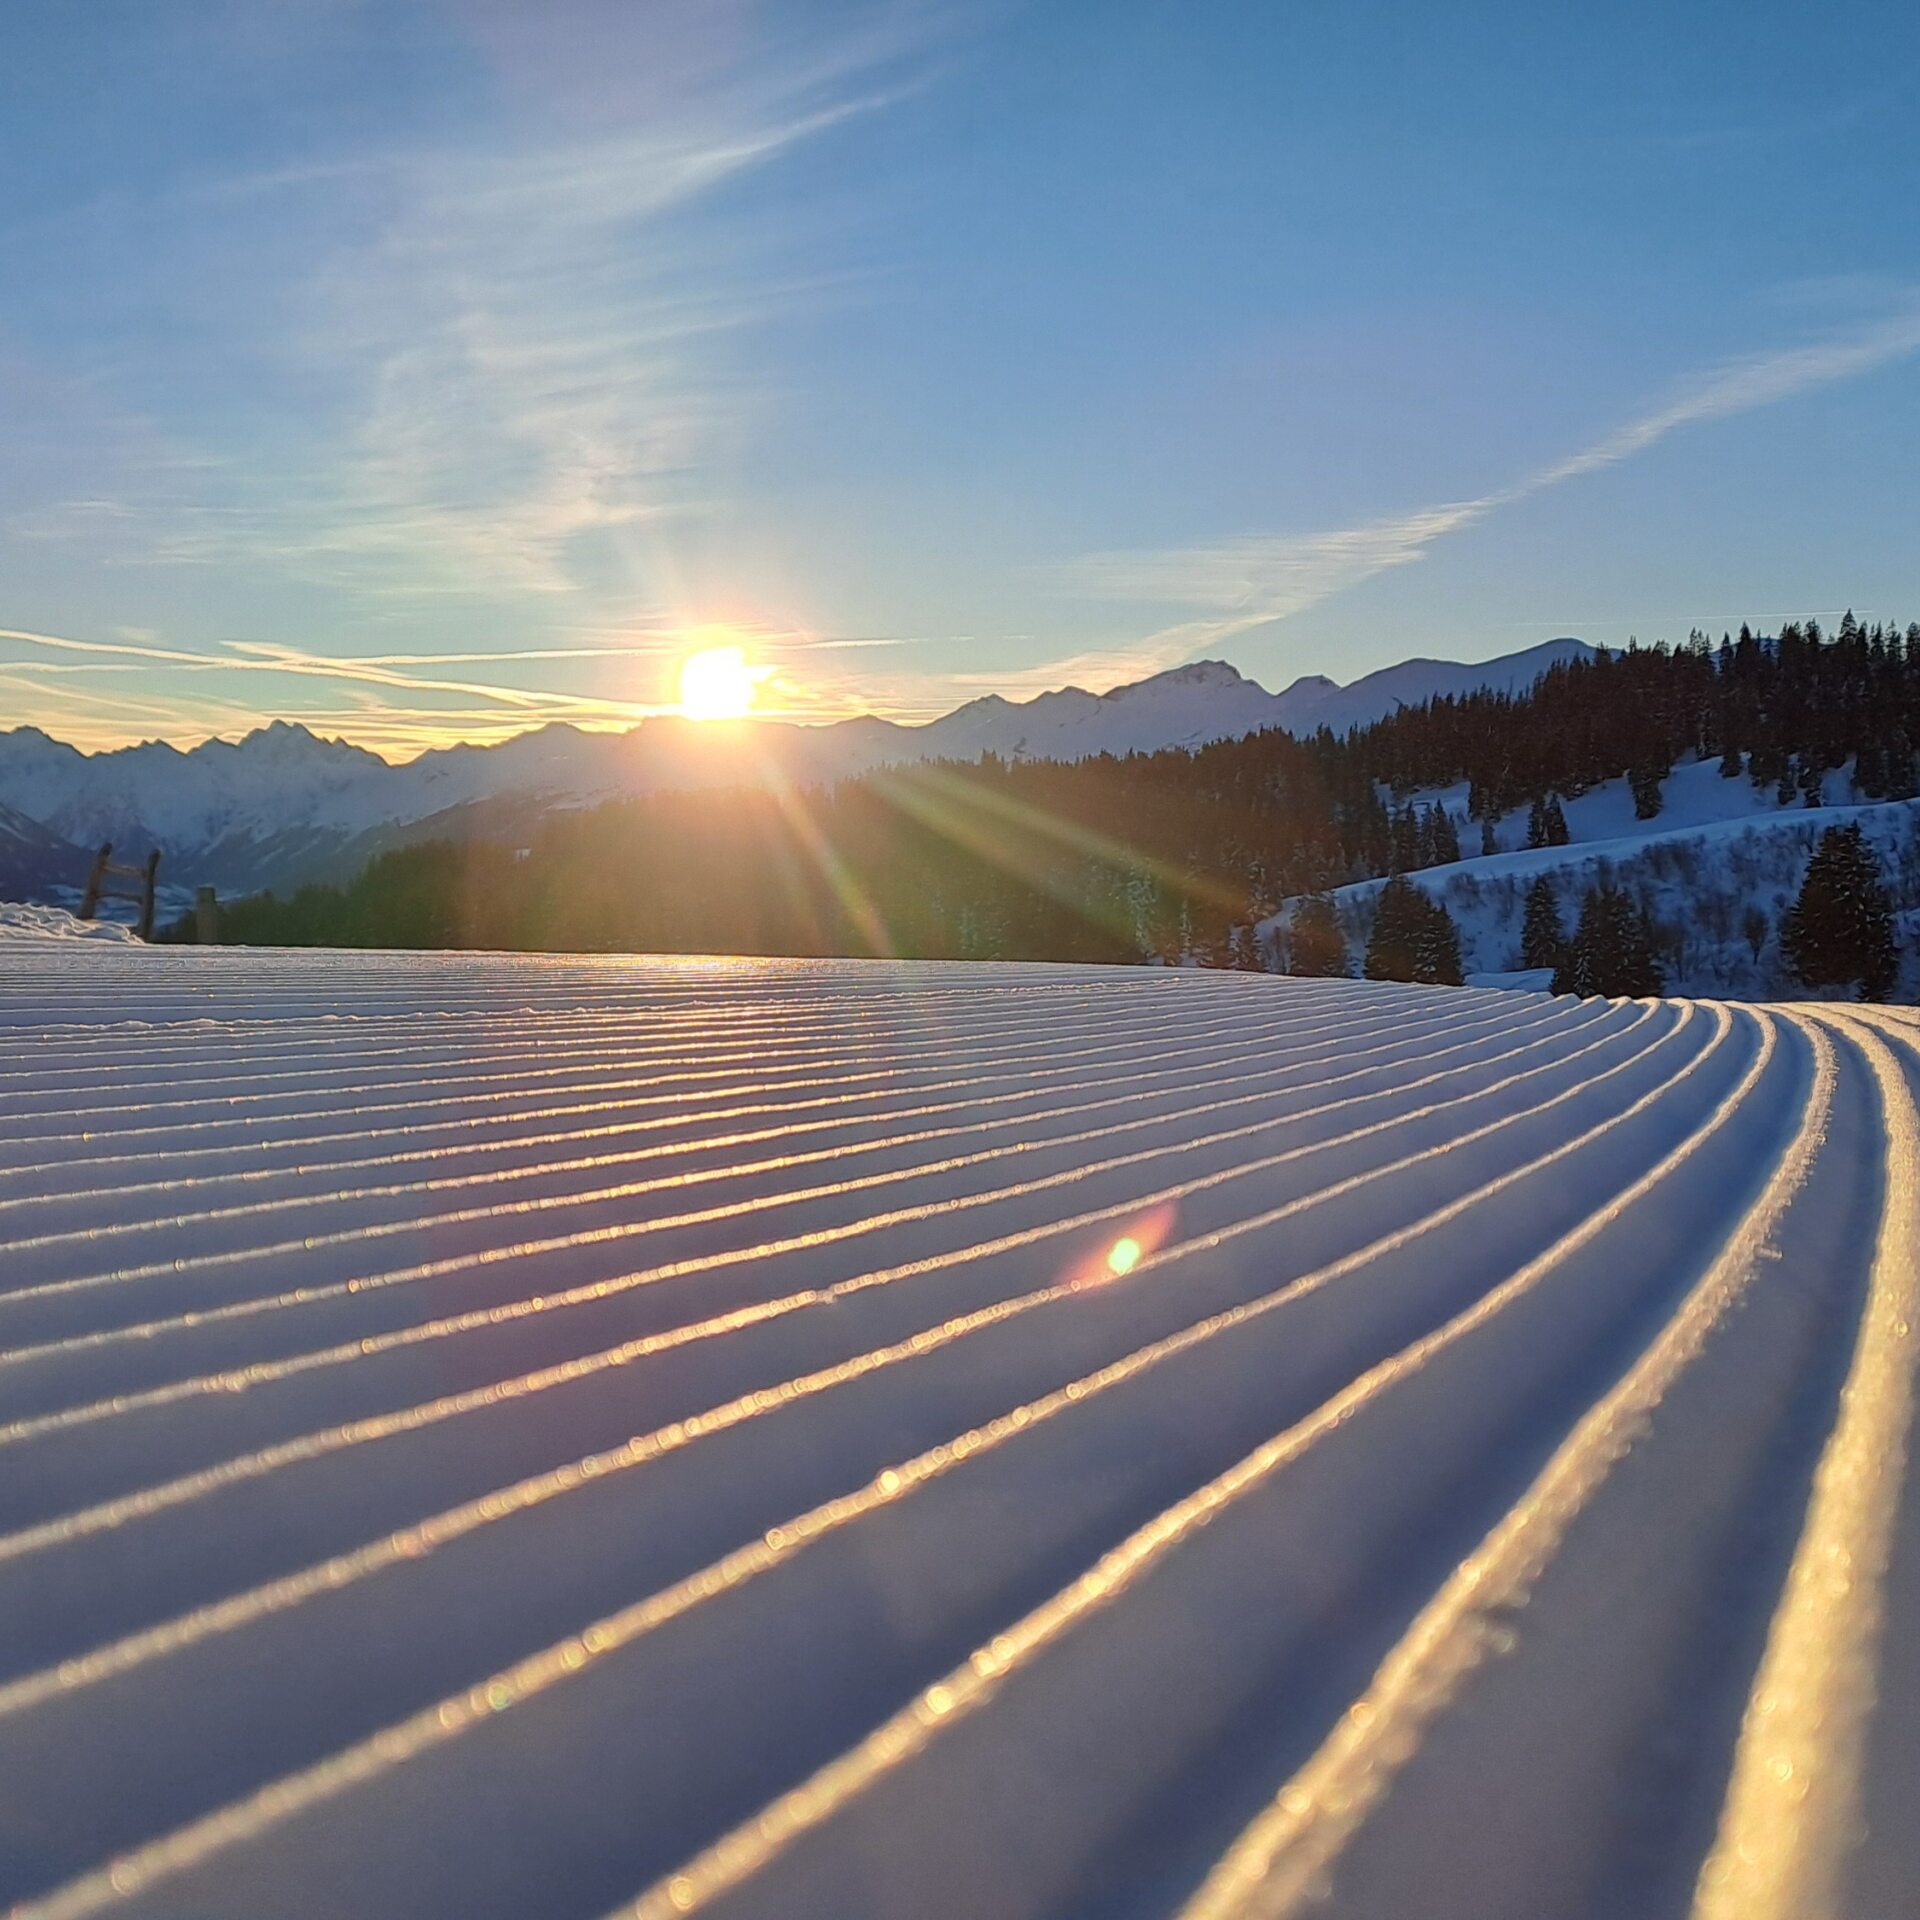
point(98, 890)
point(96, 880)
point(146, 894)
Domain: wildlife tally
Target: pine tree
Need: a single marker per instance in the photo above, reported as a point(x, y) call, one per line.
point(1413, 938)
point(1437, 948)
point(1611, 952)
point(1554, 822)
point(1489, 838)
point(1839, 931)
point(1900, 775)
point(1397, 921)
point(1543, 939)
point(1440, 837)
point(1317, 950)
point(1870, 770)
point(1537, 824)
point(1406, 849)
point(1643, 782)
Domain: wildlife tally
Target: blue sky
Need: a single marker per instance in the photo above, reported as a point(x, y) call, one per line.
point(435, 368)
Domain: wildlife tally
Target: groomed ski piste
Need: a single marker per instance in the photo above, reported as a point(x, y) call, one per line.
point(495, 1436)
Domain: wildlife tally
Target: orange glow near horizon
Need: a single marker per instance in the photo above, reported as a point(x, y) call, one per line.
point(717, 684)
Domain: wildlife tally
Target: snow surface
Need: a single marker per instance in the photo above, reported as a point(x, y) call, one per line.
point(19, 922)
point(490, 1437)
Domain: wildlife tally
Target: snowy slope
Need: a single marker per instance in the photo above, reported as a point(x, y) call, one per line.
point(281, 804)
point(1717, 851)
point(494, 1437)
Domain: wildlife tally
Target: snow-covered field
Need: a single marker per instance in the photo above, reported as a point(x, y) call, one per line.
point(510, 1437)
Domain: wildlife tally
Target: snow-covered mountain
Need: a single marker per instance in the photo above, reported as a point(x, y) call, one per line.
point(1316, 701)
point(32, 859)
point(282, 804)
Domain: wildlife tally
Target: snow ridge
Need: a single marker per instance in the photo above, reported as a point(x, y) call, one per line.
point(701, 1413)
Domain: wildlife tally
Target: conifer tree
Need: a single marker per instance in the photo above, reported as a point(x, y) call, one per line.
point(1537, 824)
point(1543, 939)
point(1643, 782)
point(1317, 949)
point(1489, 838)
point(1839, 931)
point(1413, 938)
point(1406, 847)
point(1900, 768)
point(1870, 770)
point(1554, 822)
point(1397, 921)
point(1611, 952)
point(1437, 948)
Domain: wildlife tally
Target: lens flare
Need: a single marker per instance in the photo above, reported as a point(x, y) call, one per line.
point(1134, 1246)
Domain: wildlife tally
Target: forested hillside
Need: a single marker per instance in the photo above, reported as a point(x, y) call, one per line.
point(1177, 854)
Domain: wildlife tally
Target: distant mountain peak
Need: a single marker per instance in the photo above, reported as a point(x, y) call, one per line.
point(285, 742)
point(1196, 673)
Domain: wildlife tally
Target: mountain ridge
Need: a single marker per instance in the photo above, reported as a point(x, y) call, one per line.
point(283, 803)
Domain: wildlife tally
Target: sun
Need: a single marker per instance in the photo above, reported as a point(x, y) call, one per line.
point(716, 684)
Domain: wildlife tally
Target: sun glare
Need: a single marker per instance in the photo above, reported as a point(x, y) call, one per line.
point(716, 684)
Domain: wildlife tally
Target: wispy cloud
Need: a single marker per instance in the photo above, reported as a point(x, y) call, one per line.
point(533, 356)
point(401, 702)
point(514, 365)
point(1236, 585)
point(419, 709)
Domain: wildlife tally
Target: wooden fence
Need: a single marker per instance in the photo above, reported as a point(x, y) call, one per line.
point(104, 870)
